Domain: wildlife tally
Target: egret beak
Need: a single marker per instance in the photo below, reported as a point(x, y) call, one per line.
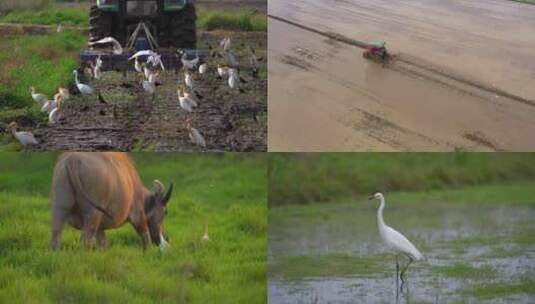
point(371, 197)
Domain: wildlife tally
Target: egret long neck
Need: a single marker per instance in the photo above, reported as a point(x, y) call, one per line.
point(76, 78)
point(380, 221)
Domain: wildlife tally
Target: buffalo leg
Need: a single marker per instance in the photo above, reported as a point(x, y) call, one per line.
point(101, 239)
point(59, 217)
point(90, 228)
point(143, 231)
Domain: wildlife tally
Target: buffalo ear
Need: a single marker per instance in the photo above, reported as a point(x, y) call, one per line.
point(151, 203)
point(168, 194)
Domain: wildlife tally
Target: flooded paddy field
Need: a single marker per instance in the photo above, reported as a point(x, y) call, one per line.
point(478, 244)
point(346, 103)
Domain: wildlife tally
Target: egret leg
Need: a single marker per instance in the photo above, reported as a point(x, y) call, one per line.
point(402, 275)
point(397, 272)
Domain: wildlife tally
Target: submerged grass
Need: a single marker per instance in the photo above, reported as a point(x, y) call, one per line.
point(225, 191)
point(500, 290)
point(333, 265)
point(466, 271)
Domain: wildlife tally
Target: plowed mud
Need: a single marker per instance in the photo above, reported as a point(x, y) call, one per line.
point(131, 120)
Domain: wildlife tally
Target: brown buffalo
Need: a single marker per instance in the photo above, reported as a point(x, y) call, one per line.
point(98, 191)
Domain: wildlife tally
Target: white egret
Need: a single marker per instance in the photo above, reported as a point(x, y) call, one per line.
point(188, 80)
point(137, 66)
point(25, 138)
point(99, 62)
point(395, 240)
point(142, 53)
point(195, 136)
point(222, 71)
point(96, 71)
point(205, 237)
point(51, 104)
point(225, 44)
point(64, 92)
point(234, 80)
point(203, 68)
point(190, 64)
point(41, 99)
point(83, 88)
point(186, 103)
point(117, 48)
point(53, 115)
point(156, 60)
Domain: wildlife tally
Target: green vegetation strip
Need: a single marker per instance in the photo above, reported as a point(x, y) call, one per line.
point(331, 177)
point(228, 192)
point(238, 20)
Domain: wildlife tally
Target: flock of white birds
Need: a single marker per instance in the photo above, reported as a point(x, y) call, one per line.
point(149, 71)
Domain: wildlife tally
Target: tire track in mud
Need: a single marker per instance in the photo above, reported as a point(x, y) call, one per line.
point(418, 67)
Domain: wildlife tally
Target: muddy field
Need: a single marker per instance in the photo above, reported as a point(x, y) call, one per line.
point(346, 103)
point(229, 120)
point(475, 252)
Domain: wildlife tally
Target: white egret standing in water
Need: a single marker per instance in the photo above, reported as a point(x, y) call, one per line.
point(395, 240)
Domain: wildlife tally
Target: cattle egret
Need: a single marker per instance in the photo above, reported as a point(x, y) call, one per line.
point(190, 64)
point(99, 62)
point(96, 71)
point(163, 243)
point(137, 66)
point(205, 237)
point(51, 104)
point(222, 71)
point(83, 88)
point(25, 138)
point(395, 240)
point(117, 48)
point(142, 53)
point(195, 136)
point(186, 103)
point(64, 93)
point(41, 99)
point(203, 68)
point(188, 80)
point(156, 60)
point(225, 44)
point(234, 80)
point(53, 115)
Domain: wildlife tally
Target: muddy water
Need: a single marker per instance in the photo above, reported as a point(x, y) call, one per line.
point(323, 96)
point(446, 233)
point(488, 40)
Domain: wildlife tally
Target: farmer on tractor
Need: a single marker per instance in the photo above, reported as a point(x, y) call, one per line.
point(377, 51)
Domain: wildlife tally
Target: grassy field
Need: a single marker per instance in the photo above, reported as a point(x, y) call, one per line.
point(226, 191)
point(478, 242)
point(331, 177)
point(208, 19)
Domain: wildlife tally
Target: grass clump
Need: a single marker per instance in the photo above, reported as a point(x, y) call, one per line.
point(241, 20)
point(48, 15)
point(466, 271)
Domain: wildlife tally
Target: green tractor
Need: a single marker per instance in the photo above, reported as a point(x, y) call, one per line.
point(171, 22)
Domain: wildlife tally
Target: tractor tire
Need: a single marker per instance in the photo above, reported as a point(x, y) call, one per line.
point(100, 24)
point(182, 31)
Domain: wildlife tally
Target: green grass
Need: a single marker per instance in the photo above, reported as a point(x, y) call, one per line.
point(465, 271)
point(227, 191)
point(45, 62)
point(242, 20)
point(10, 5)
point(329, 177)
point(49, 15)
point(236, 20)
